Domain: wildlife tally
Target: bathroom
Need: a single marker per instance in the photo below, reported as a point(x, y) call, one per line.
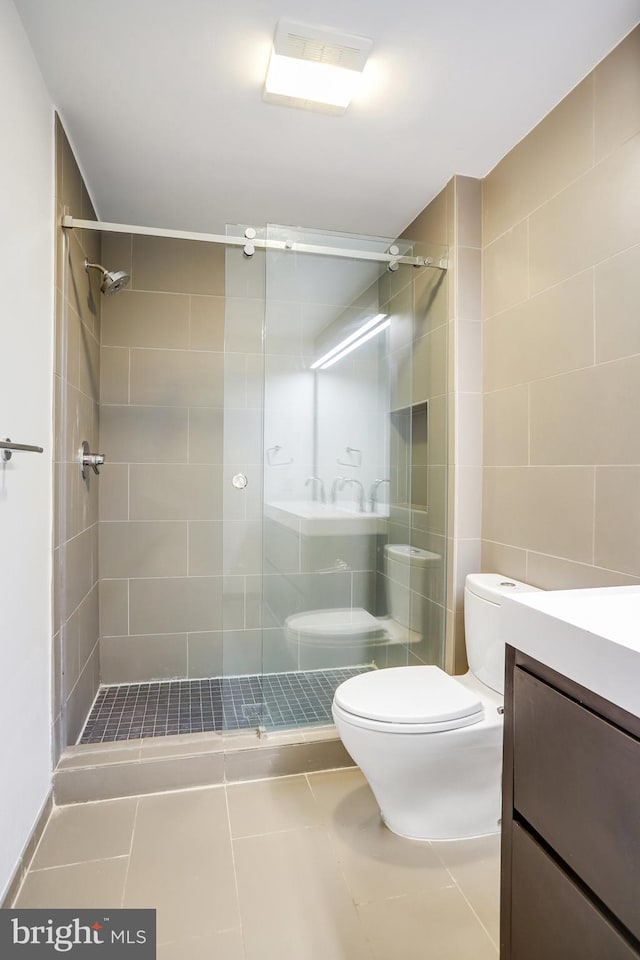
point(513, 297)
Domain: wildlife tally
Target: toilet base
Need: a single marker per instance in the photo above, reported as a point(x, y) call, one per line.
point(433, 786)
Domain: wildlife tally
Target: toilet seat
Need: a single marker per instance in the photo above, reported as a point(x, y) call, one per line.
point(408, 700)
point(339, 624)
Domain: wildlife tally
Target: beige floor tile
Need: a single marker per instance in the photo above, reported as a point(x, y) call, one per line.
point(265, 806)
point(376, 863)
point(475, 866)
point(294, 901)
point(221, 946)
point(436, 925)
point(181, 863)
point(87, 831)
point(336, 788)
point(99, 883)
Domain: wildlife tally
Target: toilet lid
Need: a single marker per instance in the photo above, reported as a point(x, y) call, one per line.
point(345, 622)
point(408, 695)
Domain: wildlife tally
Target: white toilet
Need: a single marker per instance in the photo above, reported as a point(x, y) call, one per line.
point(351, 636)
point(429, 744)
point(343, 637)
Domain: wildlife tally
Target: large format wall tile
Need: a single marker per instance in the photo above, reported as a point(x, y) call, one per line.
point(178, 266)
point(618, 518)
point(146, 319)
point(547, 334)
point(174, 491)
point(588, 221)
point(144, 434)
point(143, 550)
point(183, 378)
point(588, 416)
point(617, 96)
point(617, 295)
point(557, 151)
point(546, 509)
point(505, 271)
point(175, 605)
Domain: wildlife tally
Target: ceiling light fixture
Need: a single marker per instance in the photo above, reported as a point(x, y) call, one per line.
point(314, 67)
point(347, 340)
point(341, 350)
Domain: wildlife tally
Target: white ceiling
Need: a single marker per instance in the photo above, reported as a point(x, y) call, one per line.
point(162, 102)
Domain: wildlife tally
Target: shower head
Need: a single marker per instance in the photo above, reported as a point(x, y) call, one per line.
point(112, 280)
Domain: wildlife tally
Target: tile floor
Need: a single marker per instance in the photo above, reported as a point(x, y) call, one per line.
point(296, 868)
point(274, 700)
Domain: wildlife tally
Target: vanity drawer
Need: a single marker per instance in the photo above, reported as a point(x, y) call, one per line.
point(576, 781)
point(551, 918)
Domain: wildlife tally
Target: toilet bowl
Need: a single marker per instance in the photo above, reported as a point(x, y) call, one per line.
point(429, 744)
point(351, 636)
point(342, 637)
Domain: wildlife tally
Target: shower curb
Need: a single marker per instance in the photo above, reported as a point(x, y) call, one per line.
point(134, 768)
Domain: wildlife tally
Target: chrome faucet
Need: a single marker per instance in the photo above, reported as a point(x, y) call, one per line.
point(373, 493)
point(314, 480)
point(345, 480)
point(337, 484)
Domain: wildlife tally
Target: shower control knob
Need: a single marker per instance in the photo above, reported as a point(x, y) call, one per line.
point(239, 481)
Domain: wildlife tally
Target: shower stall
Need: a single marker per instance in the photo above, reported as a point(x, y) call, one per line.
point(271, 513)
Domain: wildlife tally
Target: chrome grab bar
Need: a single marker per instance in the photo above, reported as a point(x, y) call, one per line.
point(8, 447)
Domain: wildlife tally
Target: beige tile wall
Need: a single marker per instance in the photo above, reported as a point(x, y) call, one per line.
point(417, 303)
point(454, 218)
point(76, 664)
point(561, 288)
point(162, 578)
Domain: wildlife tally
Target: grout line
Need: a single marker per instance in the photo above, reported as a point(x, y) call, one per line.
point(79, 863)
point(476, 915)
point(593, 522)
point(558, 283)
point(233, 861)
point(133, 831)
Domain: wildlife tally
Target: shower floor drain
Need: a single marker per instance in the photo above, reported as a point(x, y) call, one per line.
point(275, 700)
point(257, 713)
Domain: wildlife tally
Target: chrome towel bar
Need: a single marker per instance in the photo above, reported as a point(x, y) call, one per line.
point(7, 448)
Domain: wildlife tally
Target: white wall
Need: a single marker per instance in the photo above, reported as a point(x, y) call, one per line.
point(26, 335)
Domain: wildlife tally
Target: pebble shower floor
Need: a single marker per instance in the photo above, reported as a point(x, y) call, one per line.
point(132, 711)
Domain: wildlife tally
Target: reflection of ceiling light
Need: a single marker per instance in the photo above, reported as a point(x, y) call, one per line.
point(366, 332)
point(314, 67)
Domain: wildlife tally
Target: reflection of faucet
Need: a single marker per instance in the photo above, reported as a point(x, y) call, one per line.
point(334, 487)
point(373, 493)
point(345, 480)
point(314, 480)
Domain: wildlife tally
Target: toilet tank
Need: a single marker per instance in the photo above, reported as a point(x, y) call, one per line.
point(406, 568)
point(483, 597)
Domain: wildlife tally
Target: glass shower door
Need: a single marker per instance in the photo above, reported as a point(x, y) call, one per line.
point(354, 481)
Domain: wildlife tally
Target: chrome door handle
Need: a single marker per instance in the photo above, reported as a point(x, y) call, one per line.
point(7, 447)
point(88, 459)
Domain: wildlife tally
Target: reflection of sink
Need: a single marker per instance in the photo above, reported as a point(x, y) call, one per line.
point(314, 519)
point(591, 636)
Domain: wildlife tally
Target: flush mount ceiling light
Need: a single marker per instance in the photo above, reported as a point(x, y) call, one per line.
point(314, 67)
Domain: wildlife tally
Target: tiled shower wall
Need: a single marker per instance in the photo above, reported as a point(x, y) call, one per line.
point(176, 555)
point(561, 288)
point(76, 663)
point(454, 218)
point(417, 304)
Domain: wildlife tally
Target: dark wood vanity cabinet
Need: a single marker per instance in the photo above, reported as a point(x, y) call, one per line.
point(571, 821)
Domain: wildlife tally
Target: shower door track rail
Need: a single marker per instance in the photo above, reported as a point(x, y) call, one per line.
point(69, 223)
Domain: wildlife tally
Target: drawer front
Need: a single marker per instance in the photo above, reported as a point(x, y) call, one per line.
point(576, 781)
point(551, 918)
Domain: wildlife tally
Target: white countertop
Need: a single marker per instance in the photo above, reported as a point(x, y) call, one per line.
point(591, 636)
